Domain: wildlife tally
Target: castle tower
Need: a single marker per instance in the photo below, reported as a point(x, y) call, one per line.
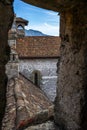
point(20, 25)
point(12, 67)
point(17, 31)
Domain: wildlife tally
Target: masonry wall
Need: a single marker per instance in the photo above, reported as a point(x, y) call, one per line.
point(6, 15)
point(47, 68)
point(71, 100)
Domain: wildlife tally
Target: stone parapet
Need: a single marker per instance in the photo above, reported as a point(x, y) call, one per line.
point(12, 69)
point(8, 122)
point(26, 105)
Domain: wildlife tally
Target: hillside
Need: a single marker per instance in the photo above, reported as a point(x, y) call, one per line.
point(31, 32)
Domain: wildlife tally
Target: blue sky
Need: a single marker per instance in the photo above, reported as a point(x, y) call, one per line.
point(40, 19)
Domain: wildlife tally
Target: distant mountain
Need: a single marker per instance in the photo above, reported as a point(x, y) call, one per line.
point(31, 32)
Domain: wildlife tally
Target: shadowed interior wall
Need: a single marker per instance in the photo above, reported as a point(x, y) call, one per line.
point(6, 15)
point(71, 100)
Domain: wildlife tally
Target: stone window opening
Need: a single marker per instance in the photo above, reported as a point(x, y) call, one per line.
point(20, 27)
point(20, 31)
point(36, 77)
point(13, 57)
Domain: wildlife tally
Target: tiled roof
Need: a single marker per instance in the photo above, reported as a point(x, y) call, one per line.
point(26, 105)
point(38, 46)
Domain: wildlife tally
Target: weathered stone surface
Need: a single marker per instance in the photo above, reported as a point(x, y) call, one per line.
point(57, 5)
point(47, 69)
point(26, 105)
point(71, 102)
point(36, 108)
point(6, 15)
point(49, 125)
point(10, 111)
point(7, 2)
point(79, 41)
point(12, 69)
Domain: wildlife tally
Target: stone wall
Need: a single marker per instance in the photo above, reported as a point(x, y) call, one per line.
point(6, 15)
point(26, 106)
point(71, 100)
point(47, 69)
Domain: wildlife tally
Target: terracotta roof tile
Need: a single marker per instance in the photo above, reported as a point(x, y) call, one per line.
point(38, 46)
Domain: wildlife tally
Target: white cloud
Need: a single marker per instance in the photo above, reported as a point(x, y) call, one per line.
point(51, 13)
point(46, 29)
point(52, 16)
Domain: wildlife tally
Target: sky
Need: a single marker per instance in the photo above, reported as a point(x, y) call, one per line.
point(39, 19)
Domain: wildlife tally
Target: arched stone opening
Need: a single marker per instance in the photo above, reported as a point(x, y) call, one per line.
point(36, 77)
point(74, 61)
point(20, 27)
point(20, 30)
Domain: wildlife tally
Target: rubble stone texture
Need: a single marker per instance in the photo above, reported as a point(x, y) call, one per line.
point(26, 105)
point(6, 16)
point(71, 101)
point(47, 69)
point(49, 125)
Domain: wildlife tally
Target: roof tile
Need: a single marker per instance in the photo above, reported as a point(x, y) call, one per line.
point(38, 46)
